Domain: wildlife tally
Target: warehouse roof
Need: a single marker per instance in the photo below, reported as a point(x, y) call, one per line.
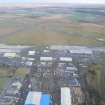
point(45, 100)
point(66, 59)
point(10, 55)
point(65, 96)
point(33, 98)
point(46, 58)
point(31, 52)
point(37, 98)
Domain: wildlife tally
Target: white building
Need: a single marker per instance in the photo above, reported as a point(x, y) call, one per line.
point(28, 63)
point(46, 51)
point(10, 55)
point(65, 59)
point(30, 59)
point(72, 68)
point(66, 96)
point(31, 52)
point(46, 59)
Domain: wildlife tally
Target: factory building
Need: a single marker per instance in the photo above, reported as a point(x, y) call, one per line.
point(31, 52)
point(66, 96)
point(46, 59)
point(37, 98)
point(10, 55)
point(65, 59)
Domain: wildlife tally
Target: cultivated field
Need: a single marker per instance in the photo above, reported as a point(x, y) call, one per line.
point(52, 26)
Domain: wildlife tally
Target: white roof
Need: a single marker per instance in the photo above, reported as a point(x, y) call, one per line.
point(66, 59)
point(46, 58)
point(75, 75)
point(24, 58)
point(10, 55)
point(43, 63)
point(31, 52)
point(45, 51)
point(28, 63)
point(71, 68)
point(65, 96)
point(33, 98)
point(30, 59)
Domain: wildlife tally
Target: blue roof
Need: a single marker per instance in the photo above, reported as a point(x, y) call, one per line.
point(37, 98)
point(45, 100)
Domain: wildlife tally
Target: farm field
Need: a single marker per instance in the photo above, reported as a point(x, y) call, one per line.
point(52, 26)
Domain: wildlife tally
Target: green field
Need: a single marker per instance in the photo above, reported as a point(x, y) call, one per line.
point(60, 28)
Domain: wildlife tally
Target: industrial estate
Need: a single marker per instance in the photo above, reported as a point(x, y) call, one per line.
point(48, 75)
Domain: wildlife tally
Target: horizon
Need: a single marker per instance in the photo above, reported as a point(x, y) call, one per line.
point(25, 2)
point(28, 5)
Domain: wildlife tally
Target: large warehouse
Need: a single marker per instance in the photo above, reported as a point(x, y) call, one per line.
point(37, 98)
point(66, 96)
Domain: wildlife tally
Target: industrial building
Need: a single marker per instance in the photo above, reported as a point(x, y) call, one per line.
point(46, 59)
point(66, 96)
point(38, 98)
point(10, 55)
point(65, 59)
point(31, 52)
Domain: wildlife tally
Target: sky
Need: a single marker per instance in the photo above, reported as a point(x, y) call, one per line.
point(53, 1)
